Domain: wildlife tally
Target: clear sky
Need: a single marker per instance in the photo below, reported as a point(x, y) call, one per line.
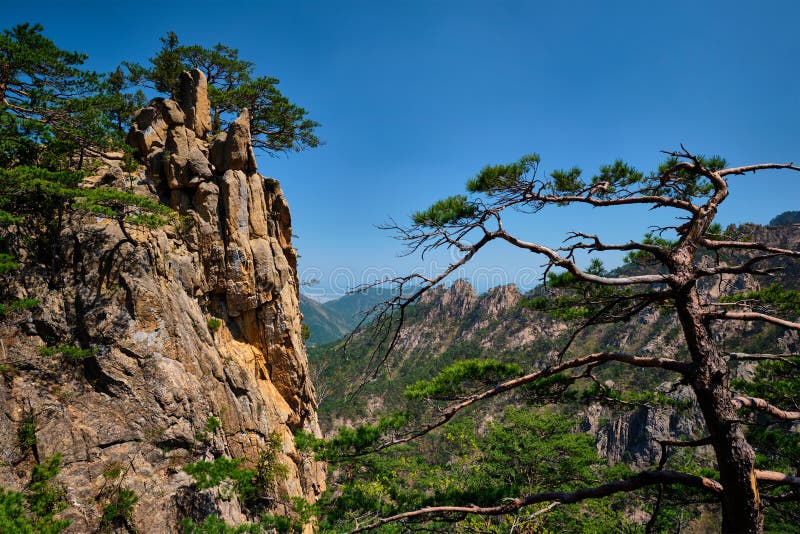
point(415, 97)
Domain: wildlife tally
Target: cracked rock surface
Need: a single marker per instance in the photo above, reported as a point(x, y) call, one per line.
point(197, 321)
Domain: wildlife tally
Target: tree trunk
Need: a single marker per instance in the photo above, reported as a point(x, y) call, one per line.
point(741, 505)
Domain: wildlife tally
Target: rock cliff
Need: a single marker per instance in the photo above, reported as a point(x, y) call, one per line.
point(191, 334)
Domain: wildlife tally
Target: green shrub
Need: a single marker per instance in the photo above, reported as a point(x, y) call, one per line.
point(112, 471)
point(211, 426)
point(8, 263)
point(26, 433)
point(119, 508)
point(71, 352)
point(212, 524)
point(782, 300)
point(214, 324)
point(21, 304)
point(452, 380)
point(250, 484)
point(209, 474)
point(33, 510)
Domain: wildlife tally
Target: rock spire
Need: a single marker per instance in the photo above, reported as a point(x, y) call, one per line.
point(194, 332)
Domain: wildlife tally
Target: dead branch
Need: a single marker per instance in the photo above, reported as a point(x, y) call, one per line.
point(780, 478)
point(762, 405)
point(759, 167)
point(745, 245)
point(595, 244)
point(743, 268)
point(557, 260)
point(751, 316)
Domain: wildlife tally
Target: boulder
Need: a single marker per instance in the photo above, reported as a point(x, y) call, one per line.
point(216, 152)
point(149, 129)
point(198, 166)
point(172, 113)
point(187, 165)
point(238, 145)
point(194, 100)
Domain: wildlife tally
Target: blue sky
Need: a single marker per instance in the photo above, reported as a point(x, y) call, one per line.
point(415, 97)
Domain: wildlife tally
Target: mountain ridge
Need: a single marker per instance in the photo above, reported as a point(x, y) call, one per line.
point(454, 323)
point(334, 319)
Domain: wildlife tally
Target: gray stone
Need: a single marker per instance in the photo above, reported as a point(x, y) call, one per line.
point(172, 113)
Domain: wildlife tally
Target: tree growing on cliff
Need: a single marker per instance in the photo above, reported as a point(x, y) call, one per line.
point(53, 111)
point(276, 124)
point(670, 270)
point(54, 115)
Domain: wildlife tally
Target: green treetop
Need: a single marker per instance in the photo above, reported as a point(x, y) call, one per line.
point(52, 110)
point(276, 124)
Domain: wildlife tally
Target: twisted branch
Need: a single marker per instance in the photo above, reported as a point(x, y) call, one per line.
point(641, 480)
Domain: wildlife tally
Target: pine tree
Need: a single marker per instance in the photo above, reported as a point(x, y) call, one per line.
point(52, 111)
point(746, 424)
point(276, 124)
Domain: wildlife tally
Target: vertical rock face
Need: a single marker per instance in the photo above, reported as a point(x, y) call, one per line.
point(194, 100)
point(195, 323)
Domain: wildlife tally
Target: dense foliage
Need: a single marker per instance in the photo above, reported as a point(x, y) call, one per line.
point(53, 112)
point(523, 451)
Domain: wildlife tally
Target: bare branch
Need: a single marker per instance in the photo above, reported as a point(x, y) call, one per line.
point(760, 357)
point(745, 245)
point(557, 260)
point(389, 315)
point(759, 167)
point(641, 480)
point(780, 478)
point(744, 268)
point(751, 316)
point(762, 405)
point(596, 244)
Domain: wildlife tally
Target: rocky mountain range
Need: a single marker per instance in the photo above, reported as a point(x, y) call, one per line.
point(143, 350)
point(455, 322)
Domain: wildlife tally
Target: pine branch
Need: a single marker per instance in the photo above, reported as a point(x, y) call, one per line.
point(641, 480)
point(593, 359)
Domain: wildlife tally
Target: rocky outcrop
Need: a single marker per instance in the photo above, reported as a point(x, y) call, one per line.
point(194, 98)
point(191, 333)
point(632, 436)
point(455, 302)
